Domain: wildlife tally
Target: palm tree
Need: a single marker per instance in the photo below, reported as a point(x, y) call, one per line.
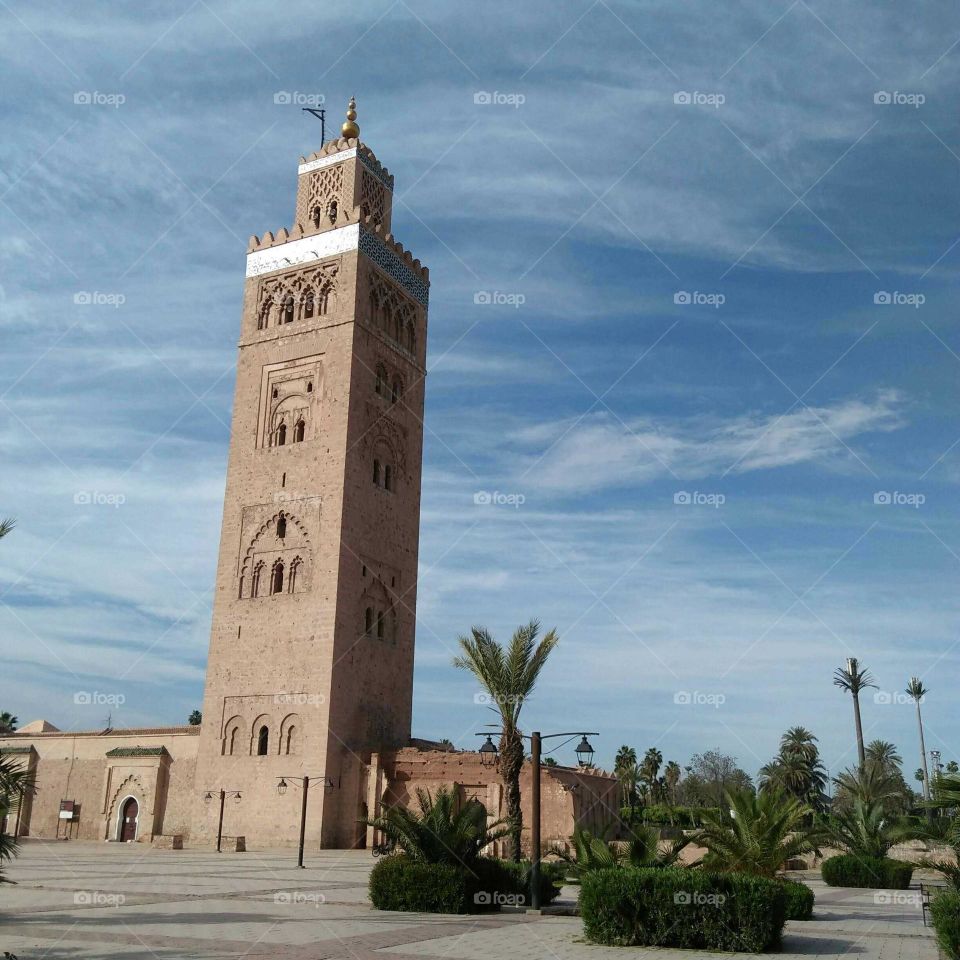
point(917, 691)
point(797, 769)
point(440, 833)
point(6, 526)
point(885, 755)
point(760, 833)
point(509, 677)
point(671, 780)
point(8, 722)
point(853, 680)
point(642, 849)
point(864, 829)
point(649, 770)
point(15, 783)
point(624, 769)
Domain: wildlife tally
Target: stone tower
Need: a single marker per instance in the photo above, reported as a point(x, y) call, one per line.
point(311, 648)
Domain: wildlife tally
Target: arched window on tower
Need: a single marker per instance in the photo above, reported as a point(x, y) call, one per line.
point(397, 391)
point(379, 624)
point(411, 338)
point(281, 435)
point(232, 744)
point(332, 211)
point(381, 382)
point(298, 431)
point(308, 304)
point(388, 477)
point(255, 582)
point(288, 306)
point(293, 575)
point(317, 214)
point(290, 747)
point(281, 526)
point(263, 741)
point(368, 621)
point(276, 578)
point(376, 472)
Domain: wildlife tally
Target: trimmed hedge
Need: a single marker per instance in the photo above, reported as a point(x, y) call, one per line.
point(847, 870)
point(399, 883)
point(800, 900)
point(945, 911)
point(676, 907)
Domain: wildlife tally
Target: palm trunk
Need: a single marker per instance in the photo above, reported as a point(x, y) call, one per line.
point(511, 760)
point(923, 758)
point(856, 715)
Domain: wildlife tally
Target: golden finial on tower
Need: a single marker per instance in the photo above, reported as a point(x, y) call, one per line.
point(350, 129)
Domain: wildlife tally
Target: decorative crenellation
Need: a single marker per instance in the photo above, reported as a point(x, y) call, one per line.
point(285, 250)
point(334, 151)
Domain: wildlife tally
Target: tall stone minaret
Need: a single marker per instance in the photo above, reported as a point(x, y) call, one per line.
point(311, 646)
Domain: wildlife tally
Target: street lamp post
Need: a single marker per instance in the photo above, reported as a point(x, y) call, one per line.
point(584, 751)
point(223, 794)
point(304, 781)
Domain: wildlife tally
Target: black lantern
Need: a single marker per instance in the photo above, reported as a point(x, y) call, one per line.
point(237, 798)
point(282, 787)
point(208, 797)
point(488, 753)
point(584, 753)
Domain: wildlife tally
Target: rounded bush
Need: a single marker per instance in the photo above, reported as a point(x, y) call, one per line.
point(676, 907)
point(848, 870)
point(800, 900)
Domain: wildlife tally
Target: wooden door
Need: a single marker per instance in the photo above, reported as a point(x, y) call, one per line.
point(128, 819)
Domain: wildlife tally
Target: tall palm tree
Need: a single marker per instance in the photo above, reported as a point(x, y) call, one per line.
point(797, 769)
point(509, 676)
point(671, 780)
point(884, 754)
point(649, 769)
point(852, 679)
point(918, 691)
point(625, 770)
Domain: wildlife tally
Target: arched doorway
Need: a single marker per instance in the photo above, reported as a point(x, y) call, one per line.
point(129, 815)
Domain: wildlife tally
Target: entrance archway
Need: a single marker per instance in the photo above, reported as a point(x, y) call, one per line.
point(129, 819)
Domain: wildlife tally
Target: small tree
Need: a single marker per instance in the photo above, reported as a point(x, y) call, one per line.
point(195, 718)
point(509, 677)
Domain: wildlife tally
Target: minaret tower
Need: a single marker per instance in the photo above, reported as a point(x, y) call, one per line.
point(311, 647)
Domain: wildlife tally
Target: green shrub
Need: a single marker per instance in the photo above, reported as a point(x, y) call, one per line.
point(945, 911)
point(847, 870)
point(799, 900)
point(674, 907)
point(661, 814)
point(400, 883)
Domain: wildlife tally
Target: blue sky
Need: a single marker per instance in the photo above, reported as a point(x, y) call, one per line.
point(720, 329)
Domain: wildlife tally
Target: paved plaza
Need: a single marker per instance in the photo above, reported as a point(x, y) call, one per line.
point(116, 901)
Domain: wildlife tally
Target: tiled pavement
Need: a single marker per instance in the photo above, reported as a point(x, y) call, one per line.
point(77, 900)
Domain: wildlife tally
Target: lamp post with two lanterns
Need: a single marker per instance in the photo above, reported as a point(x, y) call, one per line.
point(304, 782)
point(223, 794)
point(584, 752)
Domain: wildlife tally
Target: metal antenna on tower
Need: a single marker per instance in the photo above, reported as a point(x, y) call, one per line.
point(321, 115)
